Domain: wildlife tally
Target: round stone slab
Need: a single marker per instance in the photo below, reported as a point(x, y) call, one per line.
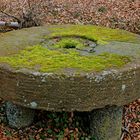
point(69, 67)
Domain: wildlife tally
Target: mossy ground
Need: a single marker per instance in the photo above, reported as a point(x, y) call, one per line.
point(45, 60)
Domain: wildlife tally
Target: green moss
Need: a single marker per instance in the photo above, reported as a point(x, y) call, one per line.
point(95, 33)
point(69, 43)
point(45, 60)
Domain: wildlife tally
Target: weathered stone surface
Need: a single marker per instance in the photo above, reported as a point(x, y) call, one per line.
point(68, 89)
point(18, 116)
point(106, 123)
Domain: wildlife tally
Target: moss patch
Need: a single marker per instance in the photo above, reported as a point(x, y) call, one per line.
point(69, 43)
point(95, 33)
point(45, 60)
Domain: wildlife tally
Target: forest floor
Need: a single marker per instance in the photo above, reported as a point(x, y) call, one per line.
point(110, 13)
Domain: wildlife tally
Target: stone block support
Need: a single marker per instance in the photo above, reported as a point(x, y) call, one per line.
point(18, 116)
point(106, 123)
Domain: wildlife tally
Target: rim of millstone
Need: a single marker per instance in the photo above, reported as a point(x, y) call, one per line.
point(78, 61)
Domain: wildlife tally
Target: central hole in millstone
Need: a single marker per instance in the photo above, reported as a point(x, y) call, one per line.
point(69, 46)
point(77, 43)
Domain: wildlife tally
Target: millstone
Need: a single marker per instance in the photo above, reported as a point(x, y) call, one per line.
point(102, 68)
point(69, 67)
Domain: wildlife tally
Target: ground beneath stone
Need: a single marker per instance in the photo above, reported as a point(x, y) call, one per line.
point(67, 126)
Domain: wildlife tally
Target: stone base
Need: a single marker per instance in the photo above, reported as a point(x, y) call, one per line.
point(18, 116)
point(106, 123)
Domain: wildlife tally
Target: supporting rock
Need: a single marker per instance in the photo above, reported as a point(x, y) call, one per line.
point(18, 116)
point(106, 123)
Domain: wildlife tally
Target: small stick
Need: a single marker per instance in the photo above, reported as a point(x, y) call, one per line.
point(18, 20)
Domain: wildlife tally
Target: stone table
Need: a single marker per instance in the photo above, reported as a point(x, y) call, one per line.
point(70, 68)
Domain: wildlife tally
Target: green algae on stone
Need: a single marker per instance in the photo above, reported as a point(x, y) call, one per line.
point(45, 60)
point(95, 33)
